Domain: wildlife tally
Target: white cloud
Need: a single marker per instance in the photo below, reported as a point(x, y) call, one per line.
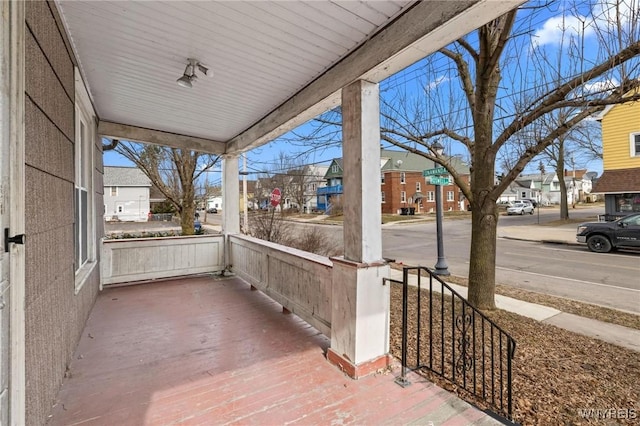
point(605, 15)
point(601, 86)
point(562, 28)
point(609, 12)
point(435, 83)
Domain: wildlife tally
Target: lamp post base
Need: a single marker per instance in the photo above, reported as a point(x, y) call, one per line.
point(441, 268)
point(443, 272)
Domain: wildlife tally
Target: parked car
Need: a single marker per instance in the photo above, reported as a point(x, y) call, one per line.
point(505, 204)
point(520, 207)
point(602, 237)
point(212, 210)
point(533, 201)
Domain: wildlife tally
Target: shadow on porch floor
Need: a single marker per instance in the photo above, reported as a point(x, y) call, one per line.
point(211, 351)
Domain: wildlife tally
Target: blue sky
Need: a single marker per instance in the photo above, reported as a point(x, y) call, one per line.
point(546, 24)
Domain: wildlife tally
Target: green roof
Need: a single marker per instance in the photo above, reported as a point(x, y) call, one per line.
point(410, 162)
point(401, 161)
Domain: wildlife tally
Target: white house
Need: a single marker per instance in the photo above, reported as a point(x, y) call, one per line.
point(126, 194)
point(215, 202)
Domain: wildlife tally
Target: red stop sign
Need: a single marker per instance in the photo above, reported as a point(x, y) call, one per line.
point(275, 197)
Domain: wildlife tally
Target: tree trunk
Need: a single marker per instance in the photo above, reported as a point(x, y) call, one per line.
point(188, 212)
point(187, 216)
point(482, 258)
point(564, 208)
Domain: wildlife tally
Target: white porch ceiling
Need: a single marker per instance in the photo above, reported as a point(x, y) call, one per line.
point(276, 64)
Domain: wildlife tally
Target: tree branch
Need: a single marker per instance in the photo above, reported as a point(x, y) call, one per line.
point(464, 74)
point(466, 46)
point(548, 102)
point(504, 25)
point(540, 146)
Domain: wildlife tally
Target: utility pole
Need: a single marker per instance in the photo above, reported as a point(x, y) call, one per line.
point(574, 190)
point(541, 168)
point(245, 224)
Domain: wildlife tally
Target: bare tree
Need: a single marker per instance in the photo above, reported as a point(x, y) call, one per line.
point(588, 140)
point(487, 92)
point(291, 175)
point(174, 172)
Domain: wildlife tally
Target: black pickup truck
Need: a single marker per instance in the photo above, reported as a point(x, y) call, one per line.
point(602, 237)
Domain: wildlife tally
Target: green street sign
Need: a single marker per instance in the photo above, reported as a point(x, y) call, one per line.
point(435, 172)
point(439, 180)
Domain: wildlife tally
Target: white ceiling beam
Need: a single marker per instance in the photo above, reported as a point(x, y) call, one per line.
point(426, 27)
point(113, 130)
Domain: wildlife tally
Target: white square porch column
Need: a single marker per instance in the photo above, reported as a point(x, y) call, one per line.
point(230, 202)
point(360, 315)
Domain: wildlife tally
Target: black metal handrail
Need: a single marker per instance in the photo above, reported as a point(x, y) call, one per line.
point(456, 341)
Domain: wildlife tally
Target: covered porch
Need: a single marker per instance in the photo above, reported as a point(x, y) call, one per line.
point(81, 75)
point(209, 350)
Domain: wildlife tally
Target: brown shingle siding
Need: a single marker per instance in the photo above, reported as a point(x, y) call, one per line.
point(618, 181)
point(49, 149)
point(41, 23)
point(46, 91)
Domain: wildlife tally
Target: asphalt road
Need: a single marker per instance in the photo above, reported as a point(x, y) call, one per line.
point(562, 270)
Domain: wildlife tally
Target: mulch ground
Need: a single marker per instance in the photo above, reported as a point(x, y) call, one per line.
point(559, 377)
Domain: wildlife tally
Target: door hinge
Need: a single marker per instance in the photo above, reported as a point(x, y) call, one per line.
point(17, 239)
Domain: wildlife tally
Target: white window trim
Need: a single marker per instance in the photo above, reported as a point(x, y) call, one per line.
point(382, 178)
point(382, 196)
point(403, 178)
point(418, 186)
point(632, 144)
point(450, 196)
point(431, 198)
point(83, 107)
point(403, 196)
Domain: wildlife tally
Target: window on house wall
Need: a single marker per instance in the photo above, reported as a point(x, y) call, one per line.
point(402, 177)
point(120, 208)
point(403, 197)
point(450, 196)
point(523, 194)
point(382, 178)
point(382, 196)
point(627, 203)
point(83, 207)
point(431, 197)
point(114, 191)
point(418, 187)
point(334, 168)
point(635, 144)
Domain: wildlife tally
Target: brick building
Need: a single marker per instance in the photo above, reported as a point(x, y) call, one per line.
point(402, 184)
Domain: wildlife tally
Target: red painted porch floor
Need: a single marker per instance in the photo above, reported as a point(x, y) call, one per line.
point(205, 351)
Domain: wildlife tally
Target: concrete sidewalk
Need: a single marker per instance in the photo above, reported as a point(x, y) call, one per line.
point(563, 234)
point(622, 336)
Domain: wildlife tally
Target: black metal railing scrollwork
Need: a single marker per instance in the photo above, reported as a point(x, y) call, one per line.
point(454, 340)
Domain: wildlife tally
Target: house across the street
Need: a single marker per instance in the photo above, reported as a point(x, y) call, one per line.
point(126, 194)
point(403, 185)
point(620, 181)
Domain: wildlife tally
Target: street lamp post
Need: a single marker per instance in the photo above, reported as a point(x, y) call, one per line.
point(541, 168)
point(441, 267)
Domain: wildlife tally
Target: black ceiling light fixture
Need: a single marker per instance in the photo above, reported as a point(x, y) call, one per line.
point(190, 76)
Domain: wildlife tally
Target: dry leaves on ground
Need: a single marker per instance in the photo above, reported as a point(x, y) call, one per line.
point(586, 310)
point(558, 374)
